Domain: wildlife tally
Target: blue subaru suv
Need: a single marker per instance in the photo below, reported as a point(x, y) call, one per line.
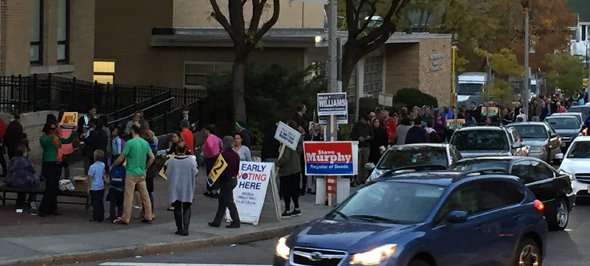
point(425, 218)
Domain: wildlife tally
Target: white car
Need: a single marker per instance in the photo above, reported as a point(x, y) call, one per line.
point(577, 162)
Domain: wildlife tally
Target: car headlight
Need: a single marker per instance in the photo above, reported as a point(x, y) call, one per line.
point(282, 250)
point(374, 256)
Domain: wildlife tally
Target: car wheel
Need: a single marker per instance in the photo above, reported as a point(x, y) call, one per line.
point(528, 254)
point(418, 262)
point(559, 217)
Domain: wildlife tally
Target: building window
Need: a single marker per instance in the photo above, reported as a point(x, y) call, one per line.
point(585, 30)
point(196, 73)
point(104, 71)
point(373, 73)
point(36, 31)
point(63, 30)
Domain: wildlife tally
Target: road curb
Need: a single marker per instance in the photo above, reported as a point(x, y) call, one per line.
point(155, 248)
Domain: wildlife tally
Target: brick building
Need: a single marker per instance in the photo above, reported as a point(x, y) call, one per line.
point(44, 36)
point(178, 44)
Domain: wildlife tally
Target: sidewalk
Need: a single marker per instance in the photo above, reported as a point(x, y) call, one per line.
point(28, 239)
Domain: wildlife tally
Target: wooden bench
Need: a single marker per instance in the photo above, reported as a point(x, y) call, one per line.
point(41, 189)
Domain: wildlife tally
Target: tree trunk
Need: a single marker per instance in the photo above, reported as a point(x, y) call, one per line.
point(350, 57)
point(238, 77)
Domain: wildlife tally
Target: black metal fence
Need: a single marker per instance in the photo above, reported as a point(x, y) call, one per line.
point(48, 92)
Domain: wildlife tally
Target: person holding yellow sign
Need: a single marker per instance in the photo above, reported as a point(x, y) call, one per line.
point(228, 180)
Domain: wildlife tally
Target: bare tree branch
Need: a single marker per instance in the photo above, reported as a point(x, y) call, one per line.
point(271, 22)
point(221, 18)
point(257, 8)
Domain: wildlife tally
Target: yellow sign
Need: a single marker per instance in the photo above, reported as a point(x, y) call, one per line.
point(69, 120)
point(218, 168)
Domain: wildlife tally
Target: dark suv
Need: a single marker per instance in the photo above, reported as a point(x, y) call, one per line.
point(550, 186)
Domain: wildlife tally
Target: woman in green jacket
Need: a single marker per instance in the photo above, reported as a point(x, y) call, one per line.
point(51, 167)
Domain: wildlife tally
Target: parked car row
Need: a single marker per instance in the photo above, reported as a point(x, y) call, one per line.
point(486, 198)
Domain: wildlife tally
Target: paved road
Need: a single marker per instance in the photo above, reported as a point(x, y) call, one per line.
point(566, 248)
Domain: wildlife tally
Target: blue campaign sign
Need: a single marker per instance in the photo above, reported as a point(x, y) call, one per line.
point(329, 168)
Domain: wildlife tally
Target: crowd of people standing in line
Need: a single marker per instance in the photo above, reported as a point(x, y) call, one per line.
point(121, 163)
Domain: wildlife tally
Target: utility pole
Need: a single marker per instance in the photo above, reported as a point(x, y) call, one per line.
point(526, 81)
point(333, 42)
point(332, 46)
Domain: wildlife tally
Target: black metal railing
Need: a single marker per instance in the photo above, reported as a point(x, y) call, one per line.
point(49, 92)
point(170, 121)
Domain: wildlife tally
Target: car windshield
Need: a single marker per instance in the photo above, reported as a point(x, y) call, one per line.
point(413, 156)
point(391, 202)
point(473, 140)
point(563, 122)
point(474, 165)
point(531, 131)
point(579, 150)
point(469, 88)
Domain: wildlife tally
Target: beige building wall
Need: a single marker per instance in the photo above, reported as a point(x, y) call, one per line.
point(294, 14)
point(402, 67)
point(15, 22)
point(126, 39)
point(165, 66)
point(423, 65)
point(435, 68)
point(14, 37)
point(82, 27)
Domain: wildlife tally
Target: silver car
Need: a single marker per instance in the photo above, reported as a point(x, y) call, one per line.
point(414, 156)
point(481, 141)
point(542, 140)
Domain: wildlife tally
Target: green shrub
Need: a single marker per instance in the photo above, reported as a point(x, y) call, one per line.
point(271, 93)
point(413, 97)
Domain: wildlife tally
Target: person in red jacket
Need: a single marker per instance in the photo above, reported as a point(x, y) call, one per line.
point(390, 125)
point(187, 136)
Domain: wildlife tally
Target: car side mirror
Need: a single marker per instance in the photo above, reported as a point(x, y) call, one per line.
point(370, 166)
point(457, 216)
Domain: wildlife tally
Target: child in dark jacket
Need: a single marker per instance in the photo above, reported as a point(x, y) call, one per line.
point(116, 187)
